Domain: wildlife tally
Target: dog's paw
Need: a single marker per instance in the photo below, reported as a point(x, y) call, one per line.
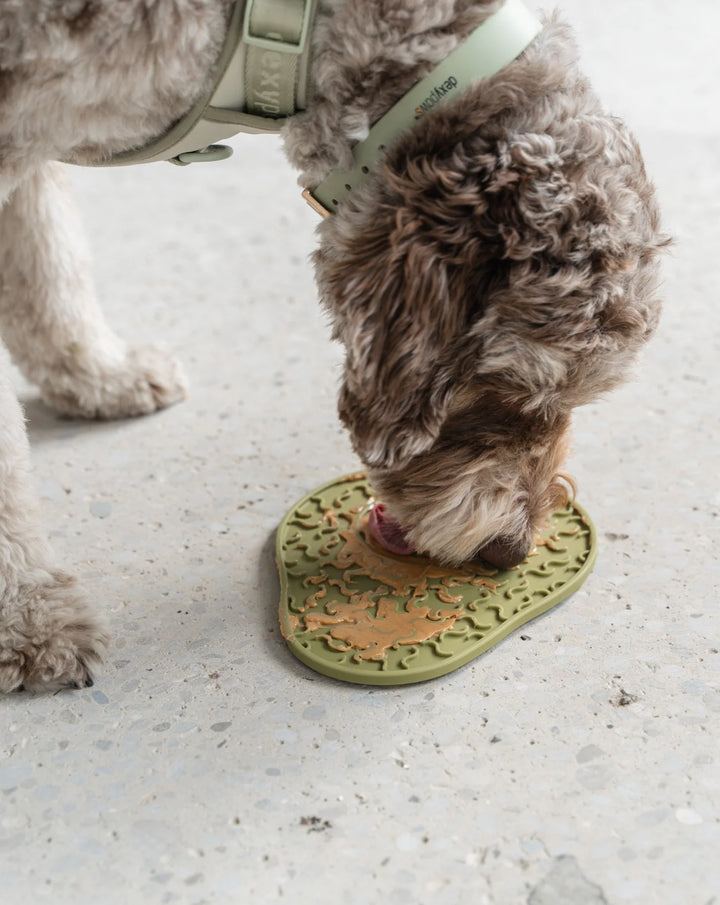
point(50, 638)
point(147, 379)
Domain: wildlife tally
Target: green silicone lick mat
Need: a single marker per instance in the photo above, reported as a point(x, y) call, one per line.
point(351, 610)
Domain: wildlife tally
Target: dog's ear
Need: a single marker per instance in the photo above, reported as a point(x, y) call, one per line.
point(390, 299)
point(392, 420)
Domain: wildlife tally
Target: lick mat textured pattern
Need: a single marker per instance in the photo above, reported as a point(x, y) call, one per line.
point(353, 611)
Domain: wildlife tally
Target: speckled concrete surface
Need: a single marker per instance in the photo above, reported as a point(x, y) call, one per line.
point(577, 767)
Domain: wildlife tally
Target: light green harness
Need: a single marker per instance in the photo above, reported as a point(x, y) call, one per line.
point(262, 78)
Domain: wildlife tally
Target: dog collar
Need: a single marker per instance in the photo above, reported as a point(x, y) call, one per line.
point(261, 78)
point(493, 45)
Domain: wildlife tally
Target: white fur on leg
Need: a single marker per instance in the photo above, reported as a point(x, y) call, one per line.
point(50, 320)
point(49, 635)
point(143, 380)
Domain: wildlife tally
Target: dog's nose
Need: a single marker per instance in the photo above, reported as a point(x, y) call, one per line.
point(387, 532)
point(504, 552)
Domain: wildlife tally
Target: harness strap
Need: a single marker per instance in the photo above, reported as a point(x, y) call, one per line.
point(275, 34)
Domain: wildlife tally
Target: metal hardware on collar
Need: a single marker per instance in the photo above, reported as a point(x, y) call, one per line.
point(500, 39)
point(315, 204)
point(277, 45)
point(205, 155)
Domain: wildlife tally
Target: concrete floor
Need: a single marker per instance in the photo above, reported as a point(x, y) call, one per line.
point(207, 765)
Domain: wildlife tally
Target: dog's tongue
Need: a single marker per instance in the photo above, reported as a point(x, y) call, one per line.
point(387, 532)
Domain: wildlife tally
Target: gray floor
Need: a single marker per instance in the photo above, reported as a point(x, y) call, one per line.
point(578, 767)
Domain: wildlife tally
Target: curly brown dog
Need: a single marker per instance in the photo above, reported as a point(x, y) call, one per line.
point(498, 268)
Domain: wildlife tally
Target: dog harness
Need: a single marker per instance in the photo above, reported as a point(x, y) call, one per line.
point(262, 78)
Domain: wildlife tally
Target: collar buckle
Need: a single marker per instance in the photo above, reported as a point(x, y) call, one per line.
point(316, 205)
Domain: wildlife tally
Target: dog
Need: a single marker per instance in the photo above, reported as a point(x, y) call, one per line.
point(497, 268)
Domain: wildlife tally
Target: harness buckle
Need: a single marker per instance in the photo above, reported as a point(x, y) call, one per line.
point(277, 45)
point(203, 155)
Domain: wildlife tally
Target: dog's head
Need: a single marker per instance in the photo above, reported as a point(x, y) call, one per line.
point(496, 272)
point(485, 486)
point(443, 406)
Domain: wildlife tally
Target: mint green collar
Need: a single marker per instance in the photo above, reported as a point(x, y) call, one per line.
point(498, 41)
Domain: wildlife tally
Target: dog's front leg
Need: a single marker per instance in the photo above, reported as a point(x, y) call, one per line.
point(49, 635)
point(49, 318)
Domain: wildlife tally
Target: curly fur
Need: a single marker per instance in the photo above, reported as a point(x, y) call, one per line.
point(499, 269)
